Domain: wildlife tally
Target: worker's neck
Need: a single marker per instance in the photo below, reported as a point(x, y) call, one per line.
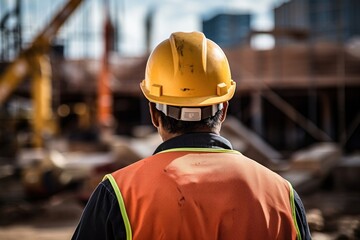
point(167, 136)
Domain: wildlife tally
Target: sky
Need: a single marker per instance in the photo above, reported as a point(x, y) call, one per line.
point(185, 15)
point(129, 16)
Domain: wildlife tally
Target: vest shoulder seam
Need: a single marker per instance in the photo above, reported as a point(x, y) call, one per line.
point(209, 150)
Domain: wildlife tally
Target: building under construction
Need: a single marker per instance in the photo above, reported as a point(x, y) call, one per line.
point(292, 95)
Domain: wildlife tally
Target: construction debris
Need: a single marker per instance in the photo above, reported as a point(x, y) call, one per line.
point(315, 219)
point(347, 173)
point(320, 158)
point(310, 166)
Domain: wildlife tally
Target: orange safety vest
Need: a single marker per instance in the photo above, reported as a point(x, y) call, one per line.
point(201, 193)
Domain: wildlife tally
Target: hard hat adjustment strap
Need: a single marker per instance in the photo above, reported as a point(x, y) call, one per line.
point(189, 113)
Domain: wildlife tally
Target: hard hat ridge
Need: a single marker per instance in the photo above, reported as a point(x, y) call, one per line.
point(181, 62)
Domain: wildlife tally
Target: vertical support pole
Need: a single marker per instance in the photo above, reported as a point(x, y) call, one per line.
point(105, 104)
point(41, 95)
point(326, 115)
point(256, 103)
point(341, 76)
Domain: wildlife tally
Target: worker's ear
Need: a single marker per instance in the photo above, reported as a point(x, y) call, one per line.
point(154, 115)
point(224, 110)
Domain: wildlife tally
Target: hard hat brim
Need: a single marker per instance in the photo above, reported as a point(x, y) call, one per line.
point(189, 101)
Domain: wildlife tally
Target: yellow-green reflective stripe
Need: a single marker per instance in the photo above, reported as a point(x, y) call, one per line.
point(121, 205)
point(219, 150)
point(293, 212)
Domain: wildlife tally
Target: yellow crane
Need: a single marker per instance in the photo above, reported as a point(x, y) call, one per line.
point(33, 62)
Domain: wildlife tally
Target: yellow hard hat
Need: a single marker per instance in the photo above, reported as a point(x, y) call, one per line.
point(188, 70)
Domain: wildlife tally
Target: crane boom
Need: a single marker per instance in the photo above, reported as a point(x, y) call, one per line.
point(33, 62)
point(21, 67)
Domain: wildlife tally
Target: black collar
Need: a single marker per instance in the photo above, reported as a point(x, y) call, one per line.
point(195, 140)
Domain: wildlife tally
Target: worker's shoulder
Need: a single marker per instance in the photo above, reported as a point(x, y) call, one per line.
point(135, 165)
point(106, 186)
point(254, 167)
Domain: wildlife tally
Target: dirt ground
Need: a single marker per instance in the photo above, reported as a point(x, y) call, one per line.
point(332, 216)
point(54, 219)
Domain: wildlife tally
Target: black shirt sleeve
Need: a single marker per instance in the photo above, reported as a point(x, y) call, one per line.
point(101, 218)
point(301, 218)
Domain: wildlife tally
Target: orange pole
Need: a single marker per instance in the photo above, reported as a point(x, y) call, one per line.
point(104, 91)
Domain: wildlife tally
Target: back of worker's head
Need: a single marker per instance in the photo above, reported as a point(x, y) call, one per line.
point(188, 79)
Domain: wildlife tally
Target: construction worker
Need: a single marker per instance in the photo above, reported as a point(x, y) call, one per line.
point(194, 186)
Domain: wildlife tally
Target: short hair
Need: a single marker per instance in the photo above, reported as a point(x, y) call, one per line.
point(178, 126)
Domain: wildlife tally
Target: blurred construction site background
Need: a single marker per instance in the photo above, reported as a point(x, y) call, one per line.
point(71, 109)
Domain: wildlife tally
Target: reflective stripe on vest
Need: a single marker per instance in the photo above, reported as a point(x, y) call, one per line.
point(293, 211)
point(119, 181)
point(121, 205)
